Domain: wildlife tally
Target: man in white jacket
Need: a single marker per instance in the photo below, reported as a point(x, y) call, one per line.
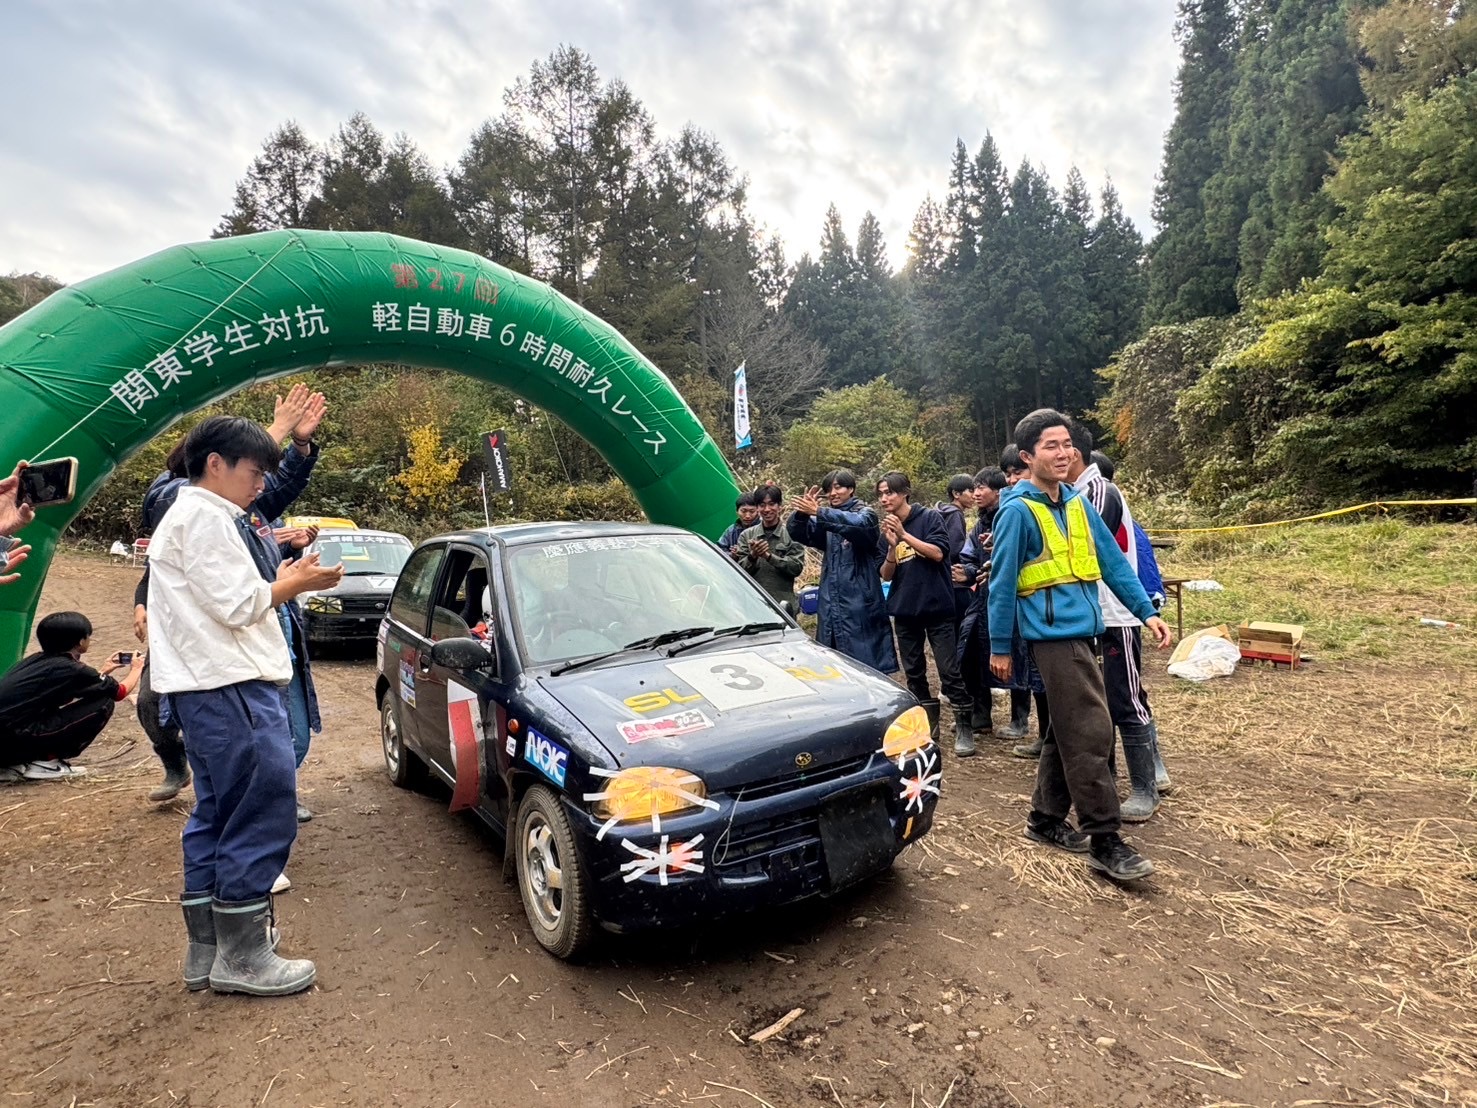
point(216, 650)
point(1122, 644)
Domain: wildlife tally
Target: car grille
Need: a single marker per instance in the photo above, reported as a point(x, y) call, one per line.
point(364, 605)
point(799, 779)
point(783, 849)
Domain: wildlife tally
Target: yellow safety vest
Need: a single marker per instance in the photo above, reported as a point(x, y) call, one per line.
point(1063, 558)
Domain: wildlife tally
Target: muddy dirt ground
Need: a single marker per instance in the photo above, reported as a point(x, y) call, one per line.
point(981, 972)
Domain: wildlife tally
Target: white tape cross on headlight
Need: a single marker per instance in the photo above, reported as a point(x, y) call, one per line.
point(674, 790)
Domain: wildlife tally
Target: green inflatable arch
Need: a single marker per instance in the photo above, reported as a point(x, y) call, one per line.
point(100, 368)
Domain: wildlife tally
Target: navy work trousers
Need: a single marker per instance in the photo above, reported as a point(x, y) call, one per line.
point(239, 744)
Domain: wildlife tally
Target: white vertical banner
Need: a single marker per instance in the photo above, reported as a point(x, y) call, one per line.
point(741, 435)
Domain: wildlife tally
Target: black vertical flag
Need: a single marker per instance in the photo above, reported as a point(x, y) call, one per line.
point(495, 457)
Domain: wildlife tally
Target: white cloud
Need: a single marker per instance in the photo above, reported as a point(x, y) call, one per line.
point(143, 115)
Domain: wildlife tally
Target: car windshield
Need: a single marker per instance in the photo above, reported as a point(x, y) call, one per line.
point(364, 555)
point(589, 596)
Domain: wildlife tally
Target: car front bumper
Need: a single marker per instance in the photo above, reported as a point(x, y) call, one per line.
point(342, 627)
point(754, 853)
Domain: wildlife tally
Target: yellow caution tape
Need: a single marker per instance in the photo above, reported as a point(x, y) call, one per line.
point(1381, 505)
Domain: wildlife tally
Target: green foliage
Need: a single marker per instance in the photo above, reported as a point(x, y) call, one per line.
point(1187, 278)
point(21, 292)
point(1358, 376)
point(1147, 379)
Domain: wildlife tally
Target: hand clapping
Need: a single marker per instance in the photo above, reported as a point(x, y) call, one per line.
point(809, 504)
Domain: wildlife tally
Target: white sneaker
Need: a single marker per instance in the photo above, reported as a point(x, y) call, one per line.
point(53, 769)
point(282, 884)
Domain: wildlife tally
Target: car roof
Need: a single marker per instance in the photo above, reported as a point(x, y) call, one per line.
point(527, 534)
point(340, 532)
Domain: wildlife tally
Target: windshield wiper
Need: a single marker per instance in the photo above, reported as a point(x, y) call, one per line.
point(738, 631)
point(649, 643)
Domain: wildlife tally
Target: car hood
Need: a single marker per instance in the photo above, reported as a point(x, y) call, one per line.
point(365, 585)
point(735, 712)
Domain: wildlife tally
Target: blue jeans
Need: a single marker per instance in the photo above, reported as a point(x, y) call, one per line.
point(237, 839)
point(296, 698)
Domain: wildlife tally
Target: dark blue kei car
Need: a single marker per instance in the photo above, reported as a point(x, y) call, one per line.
point(655, 739)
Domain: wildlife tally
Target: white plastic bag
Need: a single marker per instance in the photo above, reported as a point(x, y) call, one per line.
point(1210, 656)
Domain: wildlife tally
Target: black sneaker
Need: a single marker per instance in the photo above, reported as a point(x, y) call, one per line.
point(1114, 857)
point(1060, 834)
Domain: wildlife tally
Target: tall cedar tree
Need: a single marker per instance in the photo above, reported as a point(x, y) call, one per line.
point(1187, 276)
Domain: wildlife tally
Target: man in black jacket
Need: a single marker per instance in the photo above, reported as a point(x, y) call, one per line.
point(921, 600)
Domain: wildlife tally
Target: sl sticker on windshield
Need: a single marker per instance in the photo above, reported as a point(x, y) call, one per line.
point(464, 721)
point(664, 727)
point(739, 680)
point(546, 756)
point(407, 684)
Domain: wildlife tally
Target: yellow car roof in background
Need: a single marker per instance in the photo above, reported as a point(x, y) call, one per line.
point(338, 523)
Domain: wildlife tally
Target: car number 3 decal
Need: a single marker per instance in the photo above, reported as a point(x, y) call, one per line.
point(731, 681)
point(737, 677)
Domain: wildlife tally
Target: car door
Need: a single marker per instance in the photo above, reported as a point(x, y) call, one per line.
point(456, 607)
point(407, 636)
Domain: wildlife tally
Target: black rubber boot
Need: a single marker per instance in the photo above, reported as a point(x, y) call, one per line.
point(1161, 774)
point(963, 738)
point(1138, 753)
point(200, 927)
point(931, 706)
point(176, 774)
point(244, 959)
point(979, 716)
point(1020, 718)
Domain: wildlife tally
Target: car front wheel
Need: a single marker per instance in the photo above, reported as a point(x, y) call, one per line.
point(405, 769)
point(555, 895)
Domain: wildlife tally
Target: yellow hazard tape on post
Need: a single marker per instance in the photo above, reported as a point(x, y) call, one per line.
point(1381, 505)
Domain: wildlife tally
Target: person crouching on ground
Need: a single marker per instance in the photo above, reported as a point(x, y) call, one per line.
point(921, 601)
point(1054, 547)
point(219, 655)
point(53, 705)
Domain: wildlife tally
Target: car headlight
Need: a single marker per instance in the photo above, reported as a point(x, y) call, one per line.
point(909, 732)
point(325, 604)
point(641, 792)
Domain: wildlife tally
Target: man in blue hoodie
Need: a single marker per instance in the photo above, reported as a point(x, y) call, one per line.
point(1054, 546)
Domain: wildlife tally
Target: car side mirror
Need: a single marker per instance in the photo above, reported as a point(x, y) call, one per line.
point(461, 653)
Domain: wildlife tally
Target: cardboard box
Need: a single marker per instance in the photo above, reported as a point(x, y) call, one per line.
point(1271, 642)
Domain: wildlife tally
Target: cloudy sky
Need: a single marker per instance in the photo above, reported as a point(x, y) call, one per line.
point(129, 121)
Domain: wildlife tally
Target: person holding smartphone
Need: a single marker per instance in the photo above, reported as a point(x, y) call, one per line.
point(15, 513)
point(53, 705)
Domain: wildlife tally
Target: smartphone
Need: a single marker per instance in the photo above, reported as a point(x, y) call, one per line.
point(46, 483)
point(125, 657)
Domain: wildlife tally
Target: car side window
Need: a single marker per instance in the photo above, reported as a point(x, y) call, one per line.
point(464, 598)
point(411, 601)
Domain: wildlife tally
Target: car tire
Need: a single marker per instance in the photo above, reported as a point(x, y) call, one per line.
point(551, 881)
point(406, 770)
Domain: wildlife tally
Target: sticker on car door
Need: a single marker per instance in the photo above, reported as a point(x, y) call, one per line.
point(740, 680)
point(464, 721)
point(407, 683)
